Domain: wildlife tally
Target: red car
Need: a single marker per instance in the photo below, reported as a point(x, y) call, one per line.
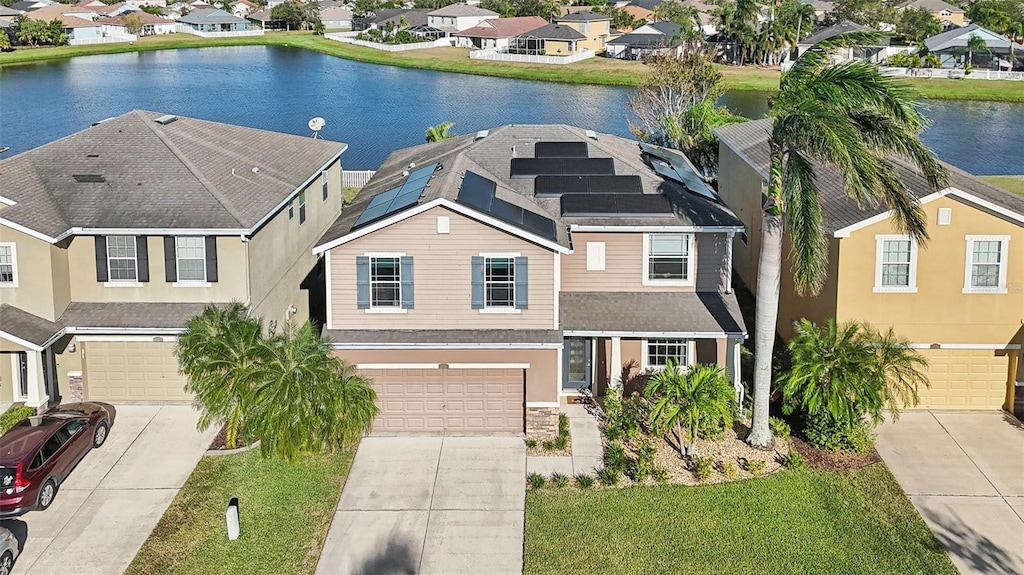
point(38, 454)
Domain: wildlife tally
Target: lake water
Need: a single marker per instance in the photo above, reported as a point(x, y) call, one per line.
point(376, 109)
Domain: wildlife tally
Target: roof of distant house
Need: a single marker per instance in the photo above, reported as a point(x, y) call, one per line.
point(413, 16)
point(835, 30)
point(958, 37)
point(211, 16)
point(29, 5)
point(665, 28)
point(932, 6)
point(5, 11)
point(145, 17)
point(583, 17)
point(820, 5)
point(458, 10)
point(248, 3)
point(750, 141)
point(555, 32)
point(182, 174)
point(634, 40)
point(503, 27)
point(57, 12)
point(645, 4)
point(335, 13)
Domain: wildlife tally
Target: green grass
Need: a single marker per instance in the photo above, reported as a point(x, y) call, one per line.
point(285, 511)
point(792, 522)
point(1013, 184)
point(597, 71)
point(349, 194)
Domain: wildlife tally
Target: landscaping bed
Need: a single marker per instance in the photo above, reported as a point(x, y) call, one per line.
point(804, 521)
point(836, 461)
point(285, 511)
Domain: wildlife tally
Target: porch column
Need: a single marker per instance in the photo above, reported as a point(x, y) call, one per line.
point(36, 384)
point(616, 363)
point(722, 352)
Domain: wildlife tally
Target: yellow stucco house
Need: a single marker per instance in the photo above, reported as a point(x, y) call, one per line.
point(959, 299)
point(944, 12)
point(595, 27)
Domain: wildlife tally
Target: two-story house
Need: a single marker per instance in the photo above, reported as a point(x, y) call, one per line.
point(457, 17)
point(595, 27)
point(946, 13)
point(481, 279)
point(113, 237)
point(959, 299)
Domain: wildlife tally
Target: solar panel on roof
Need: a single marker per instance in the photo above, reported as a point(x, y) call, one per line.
point(615, 205)
point(395, 199)
point(478, 192)
point(554, 186)
point(560, 150)
point(540, 225)
point(530, 167)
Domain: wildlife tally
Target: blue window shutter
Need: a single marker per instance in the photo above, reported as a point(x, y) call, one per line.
point(362, 282)
point(407, 282)
point(522, 284)
point(478, 282)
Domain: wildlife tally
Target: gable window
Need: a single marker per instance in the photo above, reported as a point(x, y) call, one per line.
point(323, 183)
point(385, 282)
point(122, 259)
point(660, 351)
point(667, 259)
point(499, 282)
point(986, 264)
point(8, 266)
point(291, 208)
point(896, 264)
point(190, 258)
point(302, 208)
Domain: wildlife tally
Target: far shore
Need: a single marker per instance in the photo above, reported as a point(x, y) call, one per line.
point(596, 71)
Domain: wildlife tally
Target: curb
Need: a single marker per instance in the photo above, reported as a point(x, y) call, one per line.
point(224, 452)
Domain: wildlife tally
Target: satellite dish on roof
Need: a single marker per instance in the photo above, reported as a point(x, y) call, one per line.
point(317, 124)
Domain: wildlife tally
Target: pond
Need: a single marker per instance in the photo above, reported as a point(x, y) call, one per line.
point(376, 109)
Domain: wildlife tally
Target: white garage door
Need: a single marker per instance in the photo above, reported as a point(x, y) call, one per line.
point(132, 371)
point(965, 379)
point(449, 400)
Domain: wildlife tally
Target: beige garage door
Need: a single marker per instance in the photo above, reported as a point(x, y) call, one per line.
point(132, 371)
point(965, 379)
point(449, 400)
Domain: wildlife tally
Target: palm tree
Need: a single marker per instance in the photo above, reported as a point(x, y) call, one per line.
point(217, 353)
point(440, 132)
point(698, 399)
point(975, 44)
point(850, 371)
point(307, 399)
point(804, 15)
point(852, 119)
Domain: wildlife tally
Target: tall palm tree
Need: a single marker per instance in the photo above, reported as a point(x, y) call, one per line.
point(217, 353)
point(975, 44)
point(440, 132)
point(693, 400)
point(852, 119)
point(307, 399)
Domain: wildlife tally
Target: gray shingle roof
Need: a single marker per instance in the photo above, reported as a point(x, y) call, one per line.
point(211, 16)
point(932, 6)
point(650, 312)
point(5, 11)
point(491, 158)
point(582, 17)
point(26, 326)
point(413, 16)
point(457, 10)
point(555, 32)
point(835, 30)
point(372, 336)
point(130, 315)
point(750, 141)
point(958, 37)
point(646, 40)
point(186, 174)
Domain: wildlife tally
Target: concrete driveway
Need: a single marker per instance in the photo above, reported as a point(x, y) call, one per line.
point(112, 501)
point(430, 506)
point(964, 471)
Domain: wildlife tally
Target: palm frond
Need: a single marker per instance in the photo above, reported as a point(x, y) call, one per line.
point(805, 222)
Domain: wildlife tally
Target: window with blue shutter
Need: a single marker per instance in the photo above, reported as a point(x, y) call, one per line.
point(407, 282)
point(477, 266)
point(362, 282)
point(522, 283)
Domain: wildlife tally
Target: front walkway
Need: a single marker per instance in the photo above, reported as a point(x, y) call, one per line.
point(430, 506)
point(586, 448)
point(964, 472)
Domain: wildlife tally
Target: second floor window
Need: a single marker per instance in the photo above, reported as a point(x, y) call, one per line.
point(302, 207)
point(668, 258)
point(896, 264)
point(323, 184)
point(190, 256)
point(385, 282)
point(122, 259)
point(499, 282)
point(7, 277)
point(986, 264)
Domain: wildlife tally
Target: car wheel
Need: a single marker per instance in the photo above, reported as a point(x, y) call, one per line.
point(6, 563)
point(99, 435)
point(46, 495)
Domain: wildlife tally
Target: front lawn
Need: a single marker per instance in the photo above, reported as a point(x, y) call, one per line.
point(285, 511)
point(792, 522)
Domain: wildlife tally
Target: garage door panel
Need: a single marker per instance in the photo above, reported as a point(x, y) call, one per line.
point(132, 371)
point(964, 379)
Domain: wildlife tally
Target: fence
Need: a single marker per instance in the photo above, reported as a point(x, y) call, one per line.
point(102, 40)
point(957, 74)
point(346, 38)
point(184, 29)
point(355, 178)
point(493, 54)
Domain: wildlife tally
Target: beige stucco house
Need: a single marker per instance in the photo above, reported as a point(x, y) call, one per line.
point(113, 237)
point(959, 298)
point(944, 12)
point(596, 28)
point(481, 280)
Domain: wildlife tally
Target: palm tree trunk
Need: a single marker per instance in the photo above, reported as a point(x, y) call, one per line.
point(679, 437)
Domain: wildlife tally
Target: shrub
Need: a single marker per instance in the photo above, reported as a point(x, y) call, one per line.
point(563, 425)
point(561, 442)
point(531, 442)
point(780, 428)
point(615, 458)
point(612, 428)
point(825, 432)
point(697, 400)
point(660, 474)
point(608, 476)
point(643, 466)
point(756, 467)
point(13, 415)
point(559, 480)
point(635, 412)
point(702, 467)
point(730, 470)
point(549, 444)
point(793, 460)
point(584, 481)
point(536, 480)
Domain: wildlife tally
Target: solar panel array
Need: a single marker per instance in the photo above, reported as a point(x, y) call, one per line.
point(554, 186)
point(478, 192)
point(560, 150)
point(386, 203)
point(530, 167)
point(575, 205)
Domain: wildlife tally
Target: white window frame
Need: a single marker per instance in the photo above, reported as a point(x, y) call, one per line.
point(14, 265)
point(301, 198)
point(177, 265)
point(645, 359)
point(123, 282)
point(325, 191)
point(386, 308)
point(1004, 251)
point(691, 261)
point(911, 287)
point(501, 309)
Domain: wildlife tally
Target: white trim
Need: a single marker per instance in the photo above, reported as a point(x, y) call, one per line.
point(384, 254)
point(177, 264)
point(123, 284)
point(457, 208)
point(988, 205)
point(560, 370)
point(500, 254)
point(159, 331)
point(28, 231)
point(7, 201)
point(136, 338)
point(558, 288)
point(134, 244)
point(673, 229)
point(503, 308)
point(653, 334)
point(691, 263)
point(150, 232)
point(397, 365)
point(689, 343)
point(530, 404)
point(385, 309)
point(488, 366)
point(435, 345)
point(18, 341)
point(728, 261)
point(14, 265)
point(880, 240)
point(444, 225)
point(192, 284)
point(499, 310)
point(291, 196)
point(1004, 252)
point(74, 374)
point(983, 346)
point(327, 282)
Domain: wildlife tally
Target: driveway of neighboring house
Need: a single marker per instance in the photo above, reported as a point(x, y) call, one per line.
point(964, 471)
point(430, 506)
point(112, 501)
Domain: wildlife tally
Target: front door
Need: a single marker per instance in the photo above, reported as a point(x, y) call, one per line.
point(22, 369)
point(576, 368)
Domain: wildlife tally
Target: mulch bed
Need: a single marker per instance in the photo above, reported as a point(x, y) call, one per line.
point(218, 442)
point(835, 461)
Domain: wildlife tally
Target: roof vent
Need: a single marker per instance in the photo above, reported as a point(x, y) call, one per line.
point(164, 120)
point(591, 134)
point(481, 135)
point(89, 178)
point(412, 165)
point(405, 173)
point(92, 155)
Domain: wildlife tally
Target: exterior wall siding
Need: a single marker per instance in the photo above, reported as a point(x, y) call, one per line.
point(817, 308)
point(35, 291)
point(441, 264)
point(740, 187)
